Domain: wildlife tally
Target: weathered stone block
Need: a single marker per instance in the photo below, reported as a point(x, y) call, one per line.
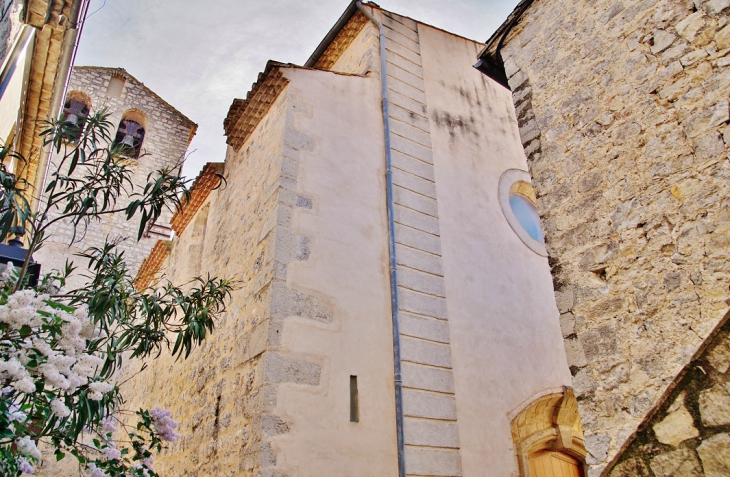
point(416, 220)
point(434, 462)
point(430, 433)
point(414, 183)
point(575, 354)
point(715, 405)
point(630, 468)
point(567, 324)
point(422, 327)
point(714, 7)
point(680, 462)
point(715, 455)
point(416, 376)
point(662, 41)
point(429, 405)
point(422, 304)
point(690, 25)
point(425, 352)
point(415, 201)
point(421, 282)
point(597, 447)
point(676, 427)
point(417, 239)
point(411, 148)
point(284, 369)
point(419, 260)
point(719, 355)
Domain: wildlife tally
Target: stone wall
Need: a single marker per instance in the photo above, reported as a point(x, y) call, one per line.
point(219, 395)
point(167, 135)
point(623, 112)
point(689, 435)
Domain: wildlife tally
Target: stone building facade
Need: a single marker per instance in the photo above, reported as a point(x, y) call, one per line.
point(623, 113)
point(167, 134)
point(37, 43)
point(298, 379)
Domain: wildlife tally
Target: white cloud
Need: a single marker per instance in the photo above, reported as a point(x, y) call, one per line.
point(199, 58)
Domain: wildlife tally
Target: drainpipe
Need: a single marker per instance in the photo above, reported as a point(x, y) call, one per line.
point(391, 249)
point(63, 76)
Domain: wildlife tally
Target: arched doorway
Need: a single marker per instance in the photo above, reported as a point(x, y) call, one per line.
point(548, 463)
point(548, 437)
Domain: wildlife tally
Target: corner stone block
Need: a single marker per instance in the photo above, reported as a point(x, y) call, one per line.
point(283, 369)
point(433, 462)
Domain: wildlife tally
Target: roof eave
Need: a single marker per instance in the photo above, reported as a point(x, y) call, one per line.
point(322, 47)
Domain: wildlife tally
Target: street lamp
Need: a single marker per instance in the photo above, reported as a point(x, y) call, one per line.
point(13, 252)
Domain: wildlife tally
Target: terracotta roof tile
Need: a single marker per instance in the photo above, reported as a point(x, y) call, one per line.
point(151, 265)
point(206, 182)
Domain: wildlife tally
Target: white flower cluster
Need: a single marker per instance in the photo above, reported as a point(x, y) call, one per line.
point(66, 366)
point(93, 471)
point(21, 309)
point(59, 408)
point(25, 445)
point(9, 274)
point(164, 425)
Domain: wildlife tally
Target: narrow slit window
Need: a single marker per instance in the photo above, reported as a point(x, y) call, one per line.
point(354, 404)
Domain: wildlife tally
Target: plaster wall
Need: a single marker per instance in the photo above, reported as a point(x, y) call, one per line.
point(623, 112)
point(341, 259)
point(506, 344)
point(301, 222)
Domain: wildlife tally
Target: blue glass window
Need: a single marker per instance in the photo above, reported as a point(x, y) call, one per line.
point(527, 215)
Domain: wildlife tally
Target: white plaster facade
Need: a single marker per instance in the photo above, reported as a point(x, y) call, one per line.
point(302, 223)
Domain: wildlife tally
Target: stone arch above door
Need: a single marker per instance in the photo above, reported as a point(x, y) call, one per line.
point(549, 422)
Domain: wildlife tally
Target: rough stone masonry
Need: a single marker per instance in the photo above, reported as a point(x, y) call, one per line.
point(623, 113)
point(167, 135)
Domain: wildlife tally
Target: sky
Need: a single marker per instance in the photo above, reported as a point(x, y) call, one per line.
point(199, 56)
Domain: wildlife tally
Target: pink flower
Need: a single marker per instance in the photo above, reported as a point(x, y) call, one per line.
point(164, 425)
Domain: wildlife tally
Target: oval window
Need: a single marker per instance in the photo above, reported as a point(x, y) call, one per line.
point(517, 200)
point(522, 203)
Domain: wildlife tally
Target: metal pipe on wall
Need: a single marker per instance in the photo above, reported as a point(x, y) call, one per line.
point(391, 248)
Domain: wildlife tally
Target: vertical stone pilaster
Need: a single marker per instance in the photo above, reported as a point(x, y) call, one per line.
point(431, 428)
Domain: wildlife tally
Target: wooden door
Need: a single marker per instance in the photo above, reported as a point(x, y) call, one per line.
point(554, 464)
